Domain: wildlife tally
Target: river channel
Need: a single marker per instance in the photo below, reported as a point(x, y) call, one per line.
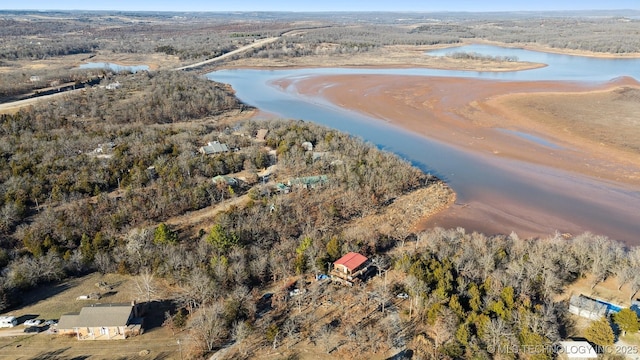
point(543, 197)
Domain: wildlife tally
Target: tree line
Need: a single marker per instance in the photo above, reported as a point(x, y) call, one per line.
point(208, 36)
point(83, 173)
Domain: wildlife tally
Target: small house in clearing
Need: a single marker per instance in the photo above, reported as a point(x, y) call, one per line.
point(587, 307)
point(214, 148)
point(224, 179)
point(349, 268)
point(308, 182)
point(102, 322)
point(113, 86)
point(282, 188)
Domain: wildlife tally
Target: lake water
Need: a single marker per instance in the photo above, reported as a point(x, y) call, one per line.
point(115, 67)
point(559, 67)
point(587, 204)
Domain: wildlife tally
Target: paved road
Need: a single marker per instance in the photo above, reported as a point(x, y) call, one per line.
point(229, 54)
point(15, 105)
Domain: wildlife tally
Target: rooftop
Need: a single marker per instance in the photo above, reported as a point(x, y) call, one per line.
point(97, 315)
point(351, 261)
point(214, 148)
point(309, 180)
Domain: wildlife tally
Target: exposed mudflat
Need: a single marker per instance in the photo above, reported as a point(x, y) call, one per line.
point(589, 131)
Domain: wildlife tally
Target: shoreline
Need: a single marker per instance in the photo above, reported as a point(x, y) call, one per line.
point(532, 66)
point(547, 49)
point(405, 60)
point(390, 57)
point(469, 114)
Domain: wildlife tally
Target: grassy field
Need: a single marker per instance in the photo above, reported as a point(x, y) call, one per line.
point(49, 302)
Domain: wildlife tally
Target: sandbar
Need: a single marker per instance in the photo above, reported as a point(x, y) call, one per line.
point(500, 119)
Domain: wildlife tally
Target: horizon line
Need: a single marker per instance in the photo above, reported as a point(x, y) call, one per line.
point(323, 11)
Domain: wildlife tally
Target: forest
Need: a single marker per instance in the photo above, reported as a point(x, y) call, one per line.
point(183, 38)
point(89, 182)
point(94, 180)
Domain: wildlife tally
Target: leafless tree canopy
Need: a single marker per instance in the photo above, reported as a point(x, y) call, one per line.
point(88, 180)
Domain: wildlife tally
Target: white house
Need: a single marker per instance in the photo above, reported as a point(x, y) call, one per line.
point(587, 307)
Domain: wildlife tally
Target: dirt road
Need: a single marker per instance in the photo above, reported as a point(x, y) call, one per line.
point(14, 331)
point(200, 217)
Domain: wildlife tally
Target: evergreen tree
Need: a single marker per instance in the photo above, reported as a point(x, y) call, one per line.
point(221, 239)
point(600, 333)
point(164, 235)
point(627, 320)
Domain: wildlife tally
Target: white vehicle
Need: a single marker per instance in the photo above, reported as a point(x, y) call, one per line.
point(32, 322)
point(8, 321)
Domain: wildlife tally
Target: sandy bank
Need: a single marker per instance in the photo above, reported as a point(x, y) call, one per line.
point(500, 120)
point(396, 56)
point(491, 117)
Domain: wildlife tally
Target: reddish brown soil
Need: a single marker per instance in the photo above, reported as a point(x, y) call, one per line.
point(472, 114)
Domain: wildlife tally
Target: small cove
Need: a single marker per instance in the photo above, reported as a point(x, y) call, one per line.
point(581, 202)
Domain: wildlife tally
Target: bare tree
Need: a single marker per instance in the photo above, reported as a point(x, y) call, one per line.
point(146, 286)
point(443, 328)
point(196, 291)
point(240, 331)
point(291, 328)
point(498, 334)
point(209, 328)
point(104, 263)
point(9, 215)
point(324, 336)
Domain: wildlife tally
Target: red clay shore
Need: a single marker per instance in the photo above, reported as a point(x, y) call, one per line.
point(472, 114)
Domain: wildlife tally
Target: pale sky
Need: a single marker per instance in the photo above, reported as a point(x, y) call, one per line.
point(320, 5)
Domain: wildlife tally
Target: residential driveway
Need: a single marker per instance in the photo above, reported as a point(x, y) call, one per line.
point(14, 331)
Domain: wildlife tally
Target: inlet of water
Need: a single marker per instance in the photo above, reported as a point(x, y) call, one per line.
point(581, 202)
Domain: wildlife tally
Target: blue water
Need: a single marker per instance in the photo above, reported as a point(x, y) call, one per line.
point(474, 177)
point(559, 67)
point(115, 67)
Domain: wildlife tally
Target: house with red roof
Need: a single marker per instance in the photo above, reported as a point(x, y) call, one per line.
point(350, 267)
